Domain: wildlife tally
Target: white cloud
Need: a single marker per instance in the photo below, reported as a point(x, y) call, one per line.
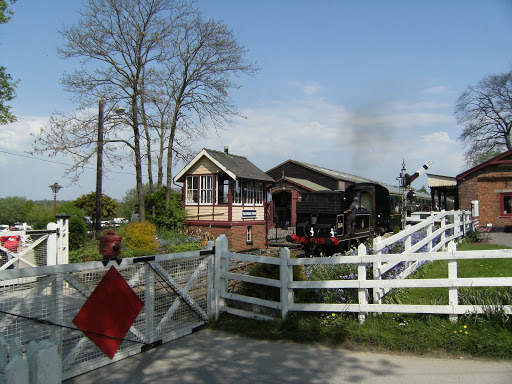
point(16, 136)
point(308, 88)
point(438, 138)
point(436, 90)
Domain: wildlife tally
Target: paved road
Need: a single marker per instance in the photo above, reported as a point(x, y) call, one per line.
point(502, 238)
point(217, 357)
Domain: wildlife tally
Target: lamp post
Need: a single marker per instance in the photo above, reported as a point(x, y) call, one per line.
point(55, 188)
point(99, 160)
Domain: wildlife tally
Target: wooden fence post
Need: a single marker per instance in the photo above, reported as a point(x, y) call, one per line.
point(44, 363)
point(221, 265)
point(430, 230)
point(408, 245)
point(51, 245)
point(443, 225)
point(453, 292)
point(210, 277)
point(456, 222)
point(362, 293)
point(378, 293)
point(286, 275)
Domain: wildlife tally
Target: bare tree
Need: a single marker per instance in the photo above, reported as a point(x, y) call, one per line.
point(172, 68)
point(209, 57)
point(116, 42)
point(485, 112)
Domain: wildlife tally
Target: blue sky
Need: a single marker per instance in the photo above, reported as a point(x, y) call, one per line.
point(354, 86)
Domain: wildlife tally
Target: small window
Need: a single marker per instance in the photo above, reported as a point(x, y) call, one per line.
point(249, 235)
point(207, 189)
point(222, 190)
point(249, 192)
point(258, 191)
point(192, 190)
point(506, 204)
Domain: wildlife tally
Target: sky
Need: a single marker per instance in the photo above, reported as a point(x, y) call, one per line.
point(354, 86)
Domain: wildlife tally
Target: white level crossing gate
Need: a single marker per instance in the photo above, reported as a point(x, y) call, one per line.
point(41, 303)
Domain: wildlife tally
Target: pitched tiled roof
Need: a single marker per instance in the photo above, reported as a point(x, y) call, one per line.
point(237, 167)
point(337, 175)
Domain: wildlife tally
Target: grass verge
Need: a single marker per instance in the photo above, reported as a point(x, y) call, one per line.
point(484, 336)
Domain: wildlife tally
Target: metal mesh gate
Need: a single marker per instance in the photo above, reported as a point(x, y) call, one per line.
point(40, 303)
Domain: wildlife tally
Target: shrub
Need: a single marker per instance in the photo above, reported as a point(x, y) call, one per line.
point(140, 236)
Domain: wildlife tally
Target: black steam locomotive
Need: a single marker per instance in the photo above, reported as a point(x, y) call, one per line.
point(321, 222)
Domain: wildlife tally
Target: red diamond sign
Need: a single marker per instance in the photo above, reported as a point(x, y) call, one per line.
point(109, 312)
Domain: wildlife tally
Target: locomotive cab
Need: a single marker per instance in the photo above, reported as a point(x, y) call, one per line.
point(321, 222)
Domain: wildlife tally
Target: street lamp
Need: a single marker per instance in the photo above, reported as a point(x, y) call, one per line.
point(55, 188)
point(99, 160)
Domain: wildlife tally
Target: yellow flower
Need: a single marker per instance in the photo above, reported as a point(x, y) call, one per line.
point(455, 332)
point(333, 314)
point(460, 331)
point(467, 333)
point(465, 327)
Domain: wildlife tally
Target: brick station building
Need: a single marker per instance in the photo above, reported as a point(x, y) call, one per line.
point(486, 190)
point(226, 194)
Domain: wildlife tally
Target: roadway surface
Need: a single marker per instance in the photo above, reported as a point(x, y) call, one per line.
point(211, 357)
point(217, 357)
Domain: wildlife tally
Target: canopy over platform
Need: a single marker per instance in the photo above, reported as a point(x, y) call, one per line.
point(444, 187)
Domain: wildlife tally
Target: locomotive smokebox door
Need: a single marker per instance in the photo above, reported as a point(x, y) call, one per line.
point(110, 245)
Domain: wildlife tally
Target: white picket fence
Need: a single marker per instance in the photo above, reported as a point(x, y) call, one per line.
point(42, 363)
point(453, 225)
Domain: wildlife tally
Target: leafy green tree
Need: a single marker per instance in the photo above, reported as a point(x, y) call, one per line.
point(7, 93)
point(87, 203)
point(130, 202)
point(4, 11)
point(15, 209)
point(42, 215)
point(77, 226)
point(173, 217)
point(7, 84)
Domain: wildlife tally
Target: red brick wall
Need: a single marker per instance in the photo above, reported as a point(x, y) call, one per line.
point(485, 185)
point(237, 235)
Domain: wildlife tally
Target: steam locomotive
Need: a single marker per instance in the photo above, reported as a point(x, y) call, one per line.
point(321, 222)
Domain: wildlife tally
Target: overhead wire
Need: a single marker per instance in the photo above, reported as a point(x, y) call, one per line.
point(59, 162)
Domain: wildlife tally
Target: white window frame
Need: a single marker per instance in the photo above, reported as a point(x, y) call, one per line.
point(220, 189)
point(249, 235)
point(249, 192)
point(189, 200)
point(206, 190)
point(237, 193)
point(258, 193)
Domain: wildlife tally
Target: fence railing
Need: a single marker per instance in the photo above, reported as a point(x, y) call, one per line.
point(432, 233)
point(234, 302)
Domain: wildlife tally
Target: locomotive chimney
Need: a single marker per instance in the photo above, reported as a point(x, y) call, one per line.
point(226, 149)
